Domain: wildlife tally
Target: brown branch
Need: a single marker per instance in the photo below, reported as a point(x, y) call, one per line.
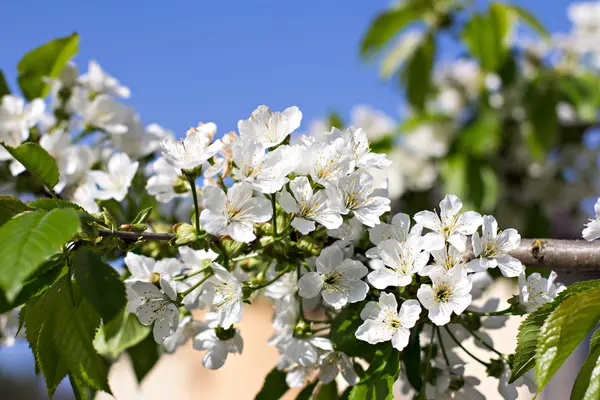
point(565, 256)
point(134, 236)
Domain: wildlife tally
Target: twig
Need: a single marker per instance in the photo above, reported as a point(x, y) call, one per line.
point(134, 236)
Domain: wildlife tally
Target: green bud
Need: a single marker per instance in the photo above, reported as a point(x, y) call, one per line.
point(184, 234)
point(181, 185)
point(232, 247)
point(247, 292)
point(308, 244)
point(496, 368)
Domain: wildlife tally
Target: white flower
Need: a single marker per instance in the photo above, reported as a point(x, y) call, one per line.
point(493, 248)
point(187, 329)
point(403, 260)
point(234, 213)
point(9, 327)
point(592, 228)
point(143, 268)
point(99, 81)
point(374, 122)
point(350, 230)
point(139, 141)
point(102, 112)
point(85, 195)
point(162, 185)
point(297, 375)
point(447, 257)
point(338, 280)
point(305, 351)
point(191, 152)
point(536, 290)
point(193, 261)
point(451, 225)
point(443, 389)
point(384, 322)
point(217, 349)
point(266, 172)
point(400, 230)
point(16, 118)
point(335, 362)
point(114, 184)
point(158, 306)
point(268, 127)
point(283, 288)
point(356, 140)
point(224, 292)
point(355, 193)
point(449, 292)
point(308, 207)
point(327, 162)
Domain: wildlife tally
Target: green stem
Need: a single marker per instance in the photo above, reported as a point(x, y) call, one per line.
point(186, 276)
point(247, 256)
point(224, 254)
point(192, 181)
point(188, 291)
point(441, 341)
point(324, 328)
point(274, 205)
point(267, 283)
point(484, 343)
point(479, 360)
point(83, 134)
point(300, 308)
point(222, 183)
point(507, 311)
point(428, 362)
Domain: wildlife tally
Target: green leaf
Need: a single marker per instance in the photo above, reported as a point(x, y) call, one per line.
point(527, 338)
point(487, 36)
point(343, 331)
point(51, 204)
point(142, 216)
point(144, 356)
point(335, 120)
point(9, 207)
point(402, 50)
point(274, 386)
point(587, 384)
point(541, 98)
point(481, 135)
point(101, 284)
point(123, 332)
point(306, 393)
point(527, 18)
point(387, 24)
point(412, 359)
point(327, 391)
point(4, 89)
point(416, 75)
point(562, 332)
point(27, 240)
point(37, 161)
point(81, 390)
point(46, 61)
point(378, 381)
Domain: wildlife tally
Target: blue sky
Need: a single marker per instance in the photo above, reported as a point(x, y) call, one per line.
point(187, 61)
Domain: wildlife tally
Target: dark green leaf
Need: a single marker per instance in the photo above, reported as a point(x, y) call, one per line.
point(37, 161)
point(28, 240)
point(81, 390)
point(46, 61)
point(383, 145)
point(562, 332)
point(412, 359)
point(9, 207)
point(100, 282)
point(327, 391)
point(4, 89)
point(306, 393)
point(343, 331)
point(387, 24)
point(587, 384)
point(144, 356)
point(416, 75)
point(118, 335)
point(51, 204)
point(378, 381)
point(541, 98)
point(274, 386)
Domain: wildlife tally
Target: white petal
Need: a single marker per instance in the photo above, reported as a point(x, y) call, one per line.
point(400, 338)
point(310, 285)
point(303, 226)
point(510, 266)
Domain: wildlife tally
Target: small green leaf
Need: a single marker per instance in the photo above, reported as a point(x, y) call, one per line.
point(378, 381)
point(9, 207)
point(390, 22)
point(562, 332)
point(123, 332)
point(412, 359)
point(335, 120)
point(51, 204)
point(396, 57)
point(416, 75)
point(37, 161)
point(274, 386)
point(306, 393)
point(4, 89)
point(144, 356)
point(587, 384)
point(100, 283)
point(27, 240)
point(142, 216)
point(527, 18)
point(46, 61)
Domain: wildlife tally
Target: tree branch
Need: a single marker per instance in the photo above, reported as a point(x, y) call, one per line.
point(566, 256)
point(134, 236)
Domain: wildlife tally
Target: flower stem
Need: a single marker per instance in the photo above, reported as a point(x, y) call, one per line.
point(479, 360)
point(267, 283)
point(300, 308)
point(186, 276)
point(192, 181)
point(441, 341)
point(222, 183)
point(247, 256)
point(188, 291)
point(428, 362)
point(274, 204)
point(483, 342)
point(223, 251)
point(507, 311)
